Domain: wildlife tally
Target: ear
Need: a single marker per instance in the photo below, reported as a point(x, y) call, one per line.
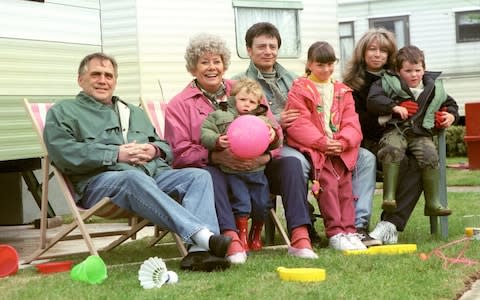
point(249, 51)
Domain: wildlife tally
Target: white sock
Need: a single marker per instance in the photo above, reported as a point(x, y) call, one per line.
point(201, 238)
point(195, 248)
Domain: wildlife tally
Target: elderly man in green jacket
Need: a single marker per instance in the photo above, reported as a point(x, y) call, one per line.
point(108, 148)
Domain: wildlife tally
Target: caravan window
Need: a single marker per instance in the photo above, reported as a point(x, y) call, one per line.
point(283, 14)
point(468, 26)
point(398, 25)
point(347, 42)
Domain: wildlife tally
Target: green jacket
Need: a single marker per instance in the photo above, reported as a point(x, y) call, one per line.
point(83, 137)
point(284, 82)
point(217, 122)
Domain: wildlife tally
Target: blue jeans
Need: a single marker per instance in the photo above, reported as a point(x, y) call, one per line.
point(151, 198)
point(284, 178)
point(287, 151)
point(250, 194)
point(363, 186)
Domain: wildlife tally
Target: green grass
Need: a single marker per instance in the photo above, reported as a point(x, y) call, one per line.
point(459, 176)
point(348, 277)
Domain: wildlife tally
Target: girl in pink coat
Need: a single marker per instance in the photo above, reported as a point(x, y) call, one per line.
point(328, 132)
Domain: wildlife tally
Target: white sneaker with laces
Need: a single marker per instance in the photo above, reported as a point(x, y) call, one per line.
point(340, 242)
point(356, 241)
point(385, 232)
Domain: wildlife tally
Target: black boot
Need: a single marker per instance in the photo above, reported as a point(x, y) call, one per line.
point(431, 192)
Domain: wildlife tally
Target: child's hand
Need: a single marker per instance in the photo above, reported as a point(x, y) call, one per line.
point(334, 148)
point(411, 106)
point(443, 119)
point(401, 111)
point(222, 142)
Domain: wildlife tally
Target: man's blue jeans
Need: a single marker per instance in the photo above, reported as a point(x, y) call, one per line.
point(363, 186)
point(151, 198)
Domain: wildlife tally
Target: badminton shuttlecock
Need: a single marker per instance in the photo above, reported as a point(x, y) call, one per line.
point(153, 273)
point(172, 277)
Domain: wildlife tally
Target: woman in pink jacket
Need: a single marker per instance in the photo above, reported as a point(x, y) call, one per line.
point(328, 131)
point(207, 58)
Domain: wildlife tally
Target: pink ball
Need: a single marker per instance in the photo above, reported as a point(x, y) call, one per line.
point(248, 136)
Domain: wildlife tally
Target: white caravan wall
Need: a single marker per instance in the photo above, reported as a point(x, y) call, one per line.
point(432, 29)
point(165, 27)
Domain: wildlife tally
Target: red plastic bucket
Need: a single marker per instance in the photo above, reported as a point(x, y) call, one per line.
point(8, 260)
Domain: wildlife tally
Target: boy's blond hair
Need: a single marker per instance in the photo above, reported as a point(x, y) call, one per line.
point(251, 87)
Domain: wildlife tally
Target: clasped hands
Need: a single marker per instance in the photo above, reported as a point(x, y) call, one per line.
point(136, 154)
point(333, 147)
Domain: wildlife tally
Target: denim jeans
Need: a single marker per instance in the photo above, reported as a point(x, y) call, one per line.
point(151, 198)
point(363, 186)
point(287, 151)
point(250, 194)
point(284, 178)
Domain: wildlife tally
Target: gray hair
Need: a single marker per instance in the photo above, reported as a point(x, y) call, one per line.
point(202, 44)
point(99, 55)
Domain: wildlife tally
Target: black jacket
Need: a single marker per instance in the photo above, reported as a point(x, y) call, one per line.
point(378, 103)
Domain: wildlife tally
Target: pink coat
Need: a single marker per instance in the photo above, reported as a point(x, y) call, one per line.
point(307, 132)
point(184, 116)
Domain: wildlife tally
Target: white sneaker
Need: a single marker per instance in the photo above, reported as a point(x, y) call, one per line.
point(340, 242)
point(302, 253)
point(385, 232)
point(356, 241)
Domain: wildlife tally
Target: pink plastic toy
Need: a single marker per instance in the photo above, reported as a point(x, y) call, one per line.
point(248, 136)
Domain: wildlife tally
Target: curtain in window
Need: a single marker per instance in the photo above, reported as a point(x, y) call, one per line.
point(286, 20)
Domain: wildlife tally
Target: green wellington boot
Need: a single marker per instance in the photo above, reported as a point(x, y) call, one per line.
point(431, 192)
point(390, 178)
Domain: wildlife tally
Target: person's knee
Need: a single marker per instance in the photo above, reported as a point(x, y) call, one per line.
point(127, 177)
point(291, 165)
point(366, 160)
point(429, 159)
point(391, 154)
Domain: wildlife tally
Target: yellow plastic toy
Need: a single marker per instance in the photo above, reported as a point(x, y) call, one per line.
point(385, 249)
point(301, 274)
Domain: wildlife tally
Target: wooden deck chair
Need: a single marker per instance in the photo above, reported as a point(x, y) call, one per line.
point(104, 208)
point(155, 111)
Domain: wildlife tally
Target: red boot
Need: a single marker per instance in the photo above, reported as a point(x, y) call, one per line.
point(242, 226)
point(255, 237)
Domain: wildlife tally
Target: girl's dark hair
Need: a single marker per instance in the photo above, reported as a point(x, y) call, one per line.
point(320, 52)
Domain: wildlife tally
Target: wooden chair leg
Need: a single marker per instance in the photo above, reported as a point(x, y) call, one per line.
point(269, 224)
point(279, 226)
point(180, 244)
